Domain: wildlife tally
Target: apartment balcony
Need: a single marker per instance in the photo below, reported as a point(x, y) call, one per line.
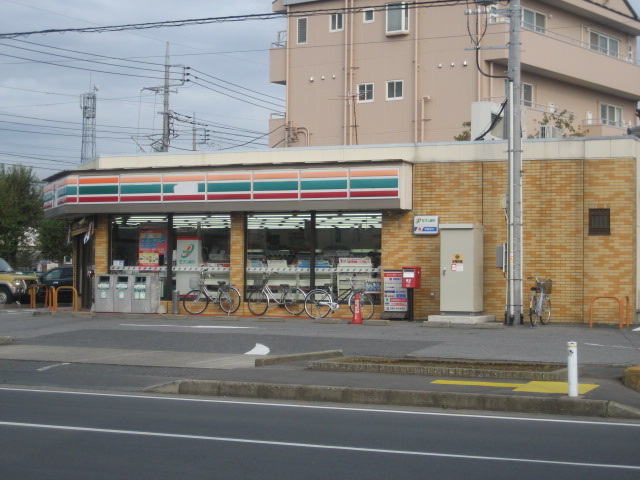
point(569, 60)
point(278, 60)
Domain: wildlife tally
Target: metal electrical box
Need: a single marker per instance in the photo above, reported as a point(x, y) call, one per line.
point(104, 293)
point(146, 294)
point(122, 293)
point(461, 263)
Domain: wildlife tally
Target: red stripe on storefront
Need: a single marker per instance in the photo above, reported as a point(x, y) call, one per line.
point(112, 199)
point(184, 197)
point(375, 193)
point(140, 198)
point(229, 196)
point(275, 196)
point(324, 195)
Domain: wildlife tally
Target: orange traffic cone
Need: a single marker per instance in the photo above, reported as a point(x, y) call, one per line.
point(357, 313)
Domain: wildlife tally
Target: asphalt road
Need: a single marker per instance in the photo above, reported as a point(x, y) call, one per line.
point(66, 435)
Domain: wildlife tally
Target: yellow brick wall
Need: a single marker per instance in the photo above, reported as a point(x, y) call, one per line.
point(557, 196)
point(101, 243)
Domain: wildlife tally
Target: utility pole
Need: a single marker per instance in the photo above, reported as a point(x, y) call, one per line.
point(514, 199)
point(166, 112)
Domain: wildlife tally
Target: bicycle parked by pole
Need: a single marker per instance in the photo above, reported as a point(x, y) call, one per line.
point(291, 298)
point(227, 297)
point(540, 303)
point(320, 301)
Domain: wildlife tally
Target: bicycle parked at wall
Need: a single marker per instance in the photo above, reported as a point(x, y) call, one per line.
point(291, 298)
point(227, 297)
point(540, 303)
point(320, 301)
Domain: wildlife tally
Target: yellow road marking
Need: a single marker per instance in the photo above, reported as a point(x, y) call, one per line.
point(529, 387)
point(478, 384)
point(554, 387)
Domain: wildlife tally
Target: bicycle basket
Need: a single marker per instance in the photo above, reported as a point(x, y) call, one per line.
point(545, 284)
point(359, 286)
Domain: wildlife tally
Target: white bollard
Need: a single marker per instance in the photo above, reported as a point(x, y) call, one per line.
point(572, 368)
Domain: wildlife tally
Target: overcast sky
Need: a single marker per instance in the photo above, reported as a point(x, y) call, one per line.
point(43, 76)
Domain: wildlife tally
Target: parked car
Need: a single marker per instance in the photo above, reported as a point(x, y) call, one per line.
point(59, 277)
point(13, 285)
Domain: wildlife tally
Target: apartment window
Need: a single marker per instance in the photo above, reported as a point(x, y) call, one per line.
point(367, 15)
point(365, 92)
point(397, 18)
point(535, 21)
point(604, 44)
point(394, 90)
point(302, 31)
point(599, 221)
point(611, 115)
point(337, 24)
point(527, 94)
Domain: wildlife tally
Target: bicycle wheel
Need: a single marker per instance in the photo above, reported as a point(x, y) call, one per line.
point(366, 305)
point(317, 303)
point(258, 302)
point(229, 299)
point(533, 316)
point(545, 315)
point(195, 302)
point(293, 300)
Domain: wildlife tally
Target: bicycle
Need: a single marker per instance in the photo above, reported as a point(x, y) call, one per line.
point(320, 301)
point(227, 297)
point(540, 303)
point(291, 298)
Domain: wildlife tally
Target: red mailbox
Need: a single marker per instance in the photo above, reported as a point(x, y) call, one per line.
point(411, 277)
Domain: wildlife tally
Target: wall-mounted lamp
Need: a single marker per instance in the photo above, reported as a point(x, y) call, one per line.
point(311, 79)
point(439, 65)
point(464, 64)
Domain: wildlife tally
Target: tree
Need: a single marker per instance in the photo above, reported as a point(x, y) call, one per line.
point(20, 208)
point(465, 136)
point(52, 240)
point(563, 122)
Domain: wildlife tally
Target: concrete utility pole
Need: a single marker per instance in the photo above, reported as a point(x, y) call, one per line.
point(166, 112)
point(514, 199)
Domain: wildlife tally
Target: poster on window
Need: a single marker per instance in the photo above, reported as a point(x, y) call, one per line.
point(395, 297)
point(152, 245)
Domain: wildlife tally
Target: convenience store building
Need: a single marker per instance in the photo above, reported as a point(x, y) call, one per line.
point(311, 216)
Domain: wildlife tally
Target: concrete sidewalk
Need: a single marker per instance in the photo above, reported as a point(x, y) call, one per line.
point(604, 353)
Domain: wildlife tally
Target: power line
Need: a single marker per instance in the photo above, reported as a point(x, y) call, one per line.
point(226, 19)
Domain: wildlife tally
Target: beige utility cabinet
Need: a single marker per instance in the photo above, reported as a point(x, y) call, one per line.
point(461, 261)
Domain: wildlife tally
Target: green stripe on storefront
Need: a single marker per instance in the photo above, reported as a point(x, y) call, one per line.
point(229, 187)
point(99, 190)
point(170, 188)
point(275, 186)
point(324, 185)
point(374, 183)
point(148, 188)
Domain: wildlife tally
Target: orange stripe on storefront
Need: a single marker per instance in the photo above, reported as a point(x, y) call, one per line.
point(141, 179)
point(97, 181)
point(326, 174)
point(184, 178)
point(274, 175)
point(374, 173)
point(229, 176)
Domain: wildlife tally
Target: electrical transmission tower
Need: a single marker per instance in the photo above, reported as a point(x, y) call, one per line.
point(88, 107)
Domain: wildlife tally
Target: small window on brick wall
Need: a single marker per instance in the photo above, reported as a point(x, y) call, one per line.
point(599, 221)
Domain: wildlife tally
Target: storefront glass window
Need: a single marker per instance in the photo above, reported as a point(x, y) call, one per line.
point(141, 241)
point(281, 245)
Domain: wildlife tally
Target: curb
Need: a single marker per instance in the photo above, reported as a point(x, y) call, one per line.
point(631, 378)
point(405, 398)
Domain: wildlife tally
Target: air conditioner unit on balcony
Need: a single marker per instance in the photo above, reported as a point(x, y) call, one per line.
point(549, 131)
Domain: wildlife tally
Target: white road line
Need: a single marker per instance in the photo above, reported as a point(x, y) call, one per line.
point(258, 403)
point(314, 446)
point(612, 346)
point(181, 326)
point(52, 366)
